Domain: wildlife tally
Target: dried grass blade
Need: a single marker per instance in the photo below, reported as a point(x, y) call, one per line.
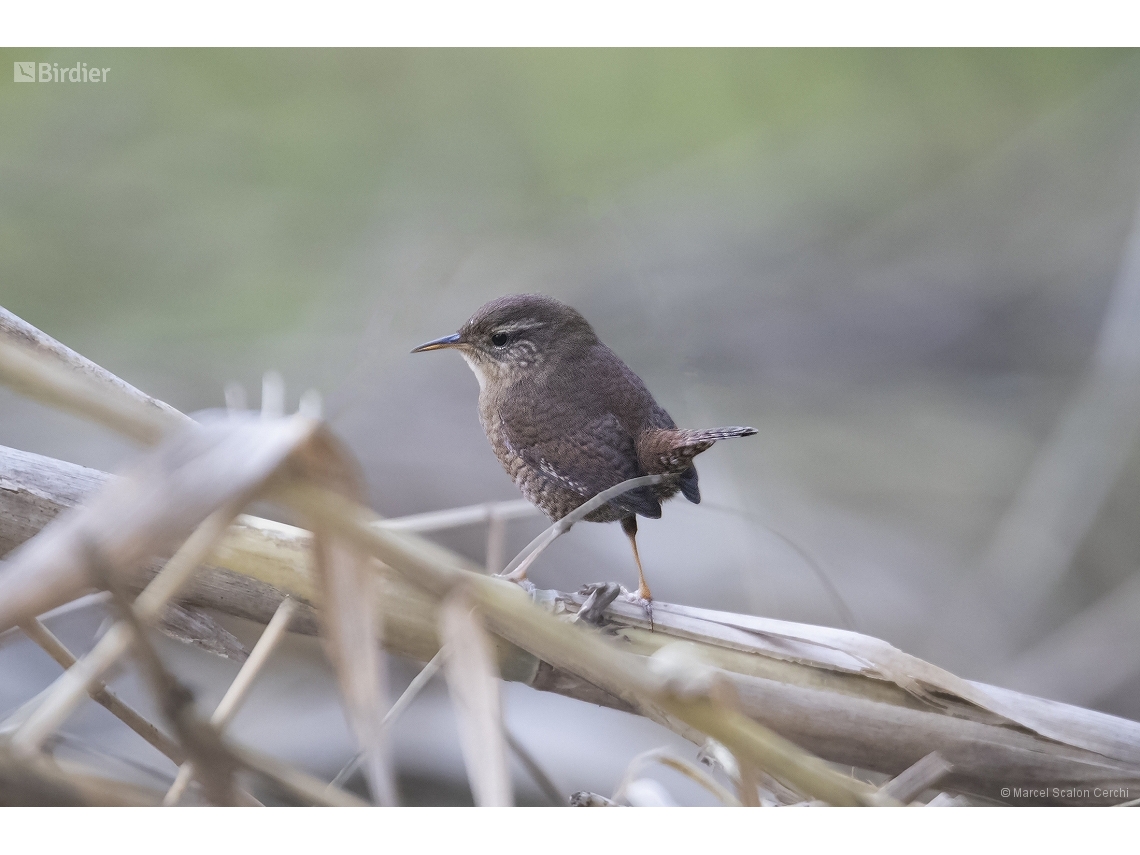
point(474, 687)
point(348, 620)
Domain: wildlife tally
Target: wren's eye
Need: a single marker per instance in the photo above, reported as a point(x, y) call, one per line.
point(499, 339)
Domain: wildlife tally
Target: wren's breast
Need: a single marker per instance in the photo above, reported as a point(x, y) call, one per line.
point(497, 435)
point(540, 488)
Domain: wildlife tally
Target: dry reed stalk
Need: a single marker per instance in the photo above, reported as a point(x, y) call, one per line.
point(711, 688)
point(511, 615)
point(348, 618)
point(36, 365)
point(82, 676)
point(812, 689)
point(473, 683)
point(307, 449)
point(194, 472)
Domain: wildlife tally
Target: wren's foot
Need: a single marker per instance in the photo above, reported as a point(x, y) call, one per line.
point(638, 599)
point(598, 595)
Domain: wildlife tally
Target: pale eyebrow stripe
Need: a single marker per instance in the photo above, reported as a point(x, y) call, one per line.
point(519, 326)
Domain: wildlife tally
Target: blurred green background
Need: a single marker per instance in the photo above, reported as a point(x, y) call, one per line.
point(897, 264)
point(203, 200)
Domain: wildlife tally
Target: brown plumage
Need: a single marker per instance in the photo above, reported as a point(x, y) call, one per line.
point(568, 419)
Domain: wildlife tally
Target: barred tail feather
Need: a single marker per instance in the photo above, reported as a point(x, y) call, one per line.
point(672, 451)
point(711, 435)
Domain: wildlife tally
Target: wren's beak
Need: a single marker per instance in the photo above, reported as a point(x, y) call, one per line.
point(446, 341)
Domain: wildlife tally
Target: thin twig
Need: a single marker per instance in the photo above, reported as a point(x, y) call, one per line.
point(239, 688)
point(517, 568)
point(414, 688)
point(304, 787)
point(64, 695)
point(102, 695)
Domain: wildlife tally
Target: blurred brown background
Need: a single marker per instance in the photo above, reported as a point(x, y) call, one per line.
point(909, 269)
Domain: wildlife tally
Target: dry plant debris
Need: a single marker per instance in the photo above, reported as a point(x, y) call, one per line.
point(703, 674)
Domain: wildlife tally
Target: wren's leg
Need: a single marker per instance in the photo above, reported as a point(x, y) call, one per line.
point(629, 526)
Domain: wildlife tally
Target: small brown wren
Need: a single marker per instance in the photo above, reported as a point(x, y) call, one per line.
point(568, 419)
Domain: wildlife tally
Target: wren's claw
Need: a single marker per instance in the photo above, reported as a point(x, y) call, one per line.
point(638, 600)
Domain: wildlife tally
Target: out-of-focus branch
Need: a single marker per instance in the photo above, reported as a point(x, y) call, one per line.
point(74, 383)
point(1074, 471)
point(1088, 657)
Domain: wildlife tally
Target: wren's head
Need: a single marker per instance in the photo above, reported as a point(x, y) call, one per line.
point(517, 336)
